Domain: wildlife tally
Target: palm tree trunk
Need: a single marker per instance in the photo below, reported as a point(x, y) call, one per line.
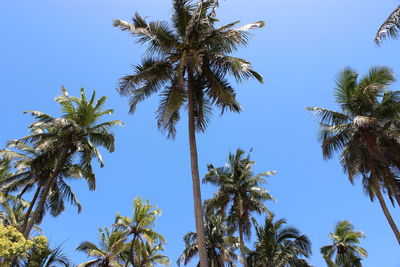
point(46, 190)
point(220, 261)
point(242, 248)
point(386, 210)
point(198, 207)
point(28, 213)
point(130, 257)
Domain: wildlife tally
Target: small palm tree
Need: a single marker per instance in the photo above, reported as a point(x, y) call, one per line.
point(239, 191)
point(111, 252)
point(366, 133)
point(278, 245)
point(188, 60)
point(344, 252)
point(75, 136)
point(221, 244)
point(390, 27)
point(47, 257)
point(140, 227)
point(148, 256)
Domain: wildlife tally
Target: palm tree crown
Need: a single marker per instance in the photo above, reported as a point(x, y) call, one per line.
point(221, 244)
point(239, 191)
point(63, 148)
point(190, 49)
point(278, 245)
point(344, 252)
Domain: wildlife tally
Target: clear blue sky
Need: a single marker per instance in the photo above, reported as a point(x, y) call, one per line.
point(47, 43)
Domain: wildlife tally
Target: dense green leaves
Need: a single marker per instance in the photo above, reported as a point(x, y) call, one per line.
point(344, 252)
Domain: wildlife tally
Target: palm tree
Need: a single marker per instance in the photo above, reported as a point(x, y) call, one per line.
point(110, 253)
point(140, 227)
point(46, 257)
point(390, 27)
point(220, 242)
point(187, 60)
point(278, 245)
point(366, 132)
point(27, 176)
point(75, 136)
point(240, 191)
point(344, 252)
point(148, 256)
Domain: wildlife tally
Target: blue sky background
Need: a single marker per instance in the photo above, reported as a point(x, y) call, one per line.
point(47, 43)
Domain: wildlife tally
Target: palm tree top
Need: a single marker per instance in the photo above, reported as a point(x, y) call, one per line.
point(190, 44)
point(345, 246)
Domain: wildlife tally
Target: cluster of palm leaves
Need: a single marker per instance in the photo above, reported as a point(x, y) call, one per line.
point(132, 241)
point(56, 151)
point(366, 133)
point(240, 194)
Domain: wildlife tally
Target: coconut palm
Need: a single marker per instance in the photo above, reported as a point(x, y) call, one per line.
point(239, 191)
point(278, 245)
point(220, 242)
point(140, 228)
point(46, 257)
point(110, 253)
point(344, 252)
point(186, 62)
point(390, 27)
point(27, 177)
point(74, 137)
point(366, 132)
point(148, 256)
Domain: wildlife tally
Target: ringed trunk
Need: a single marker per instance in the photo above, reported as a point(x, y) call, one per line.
point(28, 213)
point(198, 207)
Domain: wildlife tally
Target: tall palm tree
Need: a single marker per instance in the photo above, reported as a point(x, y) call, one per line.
point(187, 61)
point(344, 252)
point(278, 245)
point(390, 27)
point(140, 227)
point(110, 253)
point(366, 132)
point(221, 244)
point(239, 191)
point(75, 136)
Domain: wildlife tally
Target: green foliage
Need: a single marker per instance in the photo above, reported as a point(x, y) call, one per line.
point(278, 245)
point(59, 149)
point(189, 50)
point(239, 190)
point(220, 242)
point(131, 242)
point(366, 130)
point(12, 243)
point(344, 252)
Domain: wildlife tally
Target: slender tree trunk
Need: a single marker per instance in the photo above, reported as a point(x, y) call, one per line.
point(220, 261)
point(198, 207)
point(242, 248)
point(14, 259)
point(241, 239)
point(386, 210)
point(31, 205)
point(130, 257)
point(46, 190)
